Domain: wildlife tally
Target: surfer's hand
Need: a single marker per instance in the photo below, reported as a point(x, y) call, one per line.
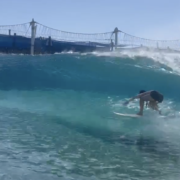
point(160, 112)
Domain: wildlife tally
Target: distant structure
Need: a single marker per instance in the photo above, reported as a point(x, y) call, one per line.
point(35, 38)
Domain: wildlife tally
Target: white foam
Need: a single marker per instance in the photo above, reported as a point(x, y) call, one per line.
point(167, 58)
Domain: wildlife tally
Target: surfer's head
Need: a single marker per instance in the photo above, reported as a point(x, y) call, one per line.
point(141, 91)
point(157, 96)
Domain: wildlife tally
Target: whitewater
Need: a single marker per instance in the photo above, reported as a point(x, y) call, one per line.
point(57, 119)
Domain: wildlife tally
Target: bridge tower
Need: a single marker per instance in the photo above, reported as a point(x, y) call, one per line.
point(116, 37)
point(33, 34)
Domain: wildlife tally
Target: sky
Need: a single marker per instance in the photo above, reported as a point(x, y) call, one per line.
point(151, 19)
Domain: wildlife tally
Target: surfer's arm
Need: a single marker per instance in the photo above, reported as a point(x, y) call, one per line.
point(137, 97)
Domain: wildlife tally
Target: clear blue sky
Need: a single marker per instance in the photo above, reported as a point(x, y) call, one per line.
point(154, 19)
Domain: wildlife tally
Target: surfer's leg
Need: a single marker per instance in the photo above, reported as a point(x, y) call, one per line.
point(141, 105)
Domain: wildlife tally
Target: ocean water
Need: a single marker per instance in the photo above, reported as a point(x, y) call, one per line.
point(57, 120)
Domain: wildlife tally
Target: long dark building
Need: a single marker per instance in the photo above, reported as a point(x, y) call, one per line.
point(21, 44)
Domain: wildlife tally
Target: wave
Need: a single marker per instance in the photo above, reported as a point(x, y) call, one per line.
point(106, 74)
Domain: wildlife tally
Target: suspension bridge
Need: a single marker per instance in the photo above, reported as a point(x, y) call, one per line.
point(35, 38)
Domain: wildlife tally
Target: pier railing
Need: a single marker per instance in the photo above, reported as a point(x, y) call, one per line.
point(133, 41)
point(19, 29)
point(117, 37)
point(45, 31)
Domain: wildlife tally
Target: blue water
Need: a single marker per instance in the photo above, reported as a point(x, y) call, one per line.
point(57, 118)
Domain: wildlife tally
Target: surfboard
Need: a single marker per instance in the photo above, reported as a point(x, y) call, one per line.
point(128, 115)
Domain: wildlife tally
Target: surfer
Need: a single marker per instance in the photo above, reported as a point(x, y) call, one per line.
point(152, 98)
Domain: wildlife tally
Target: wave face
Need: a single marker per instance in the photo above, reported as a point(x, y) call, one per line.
point(117, 75)
point(57, 113)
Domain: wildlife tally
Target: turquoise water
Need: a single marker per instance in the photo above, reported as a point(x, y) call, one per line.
point(57, 118)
